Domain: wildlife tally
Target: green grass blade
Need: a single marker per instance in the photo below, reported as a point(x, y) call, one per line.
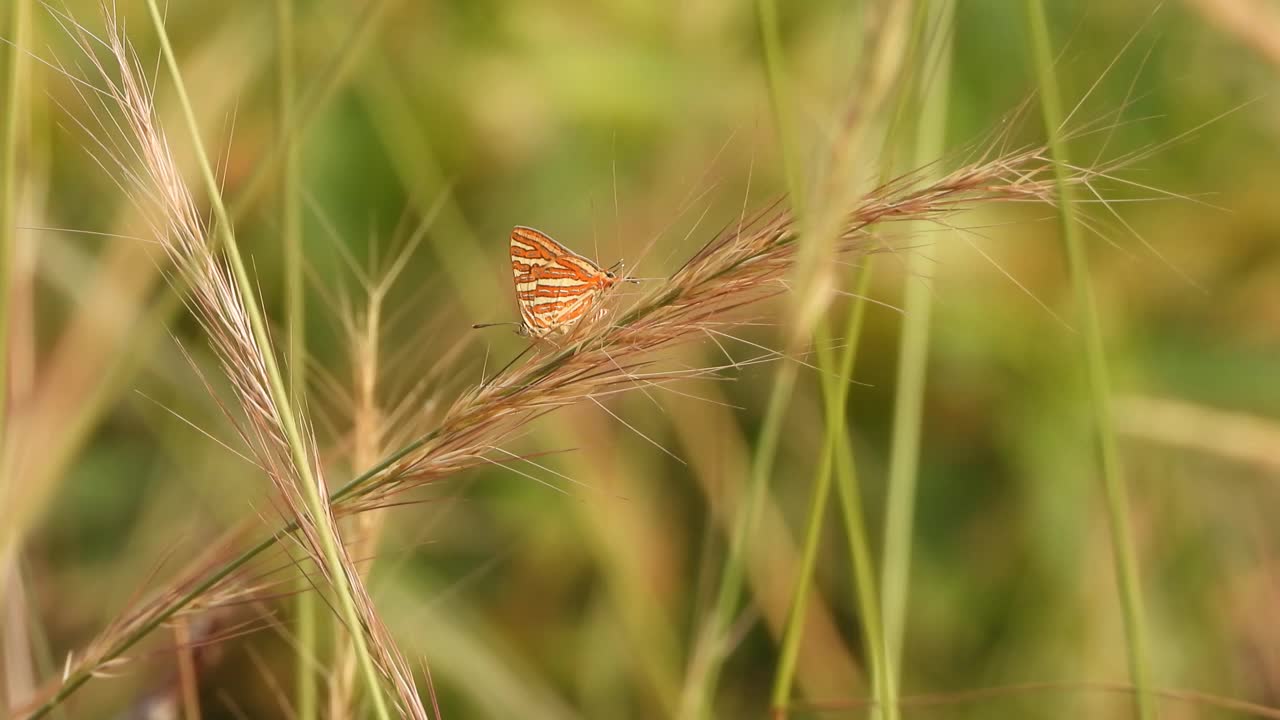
point(10, 186)
point(885, 76)
point(884, 685)
point(1117, 501)
point(747, 519)
point(789, 653)
point(908, 406)
point(154, 324)
point(767, 15)
point(316, 97)
point(77, 679)
point(835, 381)
point(291, 205)
point(330, 543)
point(306, 692)
point(837, 457)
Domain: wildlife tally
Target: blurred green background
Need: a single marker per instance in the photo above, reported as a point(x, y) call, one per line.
point(635, 130)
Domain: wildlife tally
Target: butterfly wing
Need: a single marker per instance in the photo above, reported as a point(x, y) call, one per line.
point(555, 287)
point(530, 252)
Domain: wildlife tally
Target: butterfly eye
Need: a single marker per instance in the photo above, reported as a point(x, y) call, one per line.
point(610, 275)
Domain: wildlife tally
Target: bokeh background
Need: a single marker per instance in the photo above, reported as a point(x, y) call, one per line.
point(635, 130)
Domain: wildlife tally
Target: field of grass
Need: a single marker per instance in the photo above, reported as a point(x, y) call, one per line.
point(949, 385)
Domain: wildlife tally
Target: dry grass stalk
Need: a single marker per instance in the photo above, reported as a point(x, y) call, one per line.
point(356, 405)
point(1245, 438)
point(741, 266)
point(139, 155)
point(744, 264)
point(368, 432)
point(105, 655)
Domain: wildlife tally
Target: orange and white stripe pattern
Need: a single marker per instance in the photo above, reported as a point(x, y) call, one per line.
point(555, 287)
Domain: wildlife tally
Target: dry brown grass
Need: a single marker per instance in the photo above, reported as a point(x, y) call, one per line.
point(745, 263)
point(132, 147)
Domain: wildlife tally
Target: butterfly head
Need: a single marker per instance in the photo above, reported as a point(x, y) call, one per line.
point(618, 273)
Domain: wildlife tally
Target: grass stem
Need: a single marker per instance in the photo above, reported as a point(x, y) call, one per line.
point(310, 488)
point(1117, 501)
point(884, 684)
point(814, 251)
point(305, 606)
point(11, 184)
point(908, 407)
point(837, 457)
point(80, 677)
point(314, 99)
point(748, 519)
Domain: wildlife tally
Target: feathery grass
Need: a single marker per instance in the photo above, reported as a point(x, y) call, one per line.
point(370, 427)
point(315, 517)
point(606, 356)
point(224, 300)
point(1094, 354)
point(88, 392)
point(523, 128)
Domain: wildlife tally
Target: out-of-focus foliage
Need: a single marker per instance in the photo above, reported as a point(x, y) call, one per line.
point(636, 130)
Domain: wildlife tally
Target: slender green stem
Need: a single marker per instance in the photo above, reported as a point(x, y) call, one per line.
point(305, 606)
point(812, 251)
point(793, 632)
point(1117, 501)
point(908, 406)
point(882, 77)
point(291, 206)
point(767, 13)
point(748, 518)
point(312, 101)
point(11, 185)
point(310, 487)
point(12, 182)
point(121, 366)
point(80, 677)
point(866, 599)
point(836, 378)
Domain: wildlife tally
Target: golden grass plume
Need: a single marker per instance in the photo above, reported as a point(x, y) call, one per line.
point(746, 262)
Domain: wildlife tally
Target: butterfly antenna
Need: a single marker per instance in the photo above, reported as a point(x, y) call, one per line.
point(621, 268)
point(617, 212)
point(477, 326)
point(595, 234)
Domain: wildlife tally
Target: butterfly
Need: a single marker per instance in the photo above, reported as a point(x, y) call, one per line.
point(555, 286)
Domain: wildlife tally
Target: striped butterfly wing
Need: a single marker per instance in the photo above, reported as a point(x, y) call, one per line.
point(555, 287)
